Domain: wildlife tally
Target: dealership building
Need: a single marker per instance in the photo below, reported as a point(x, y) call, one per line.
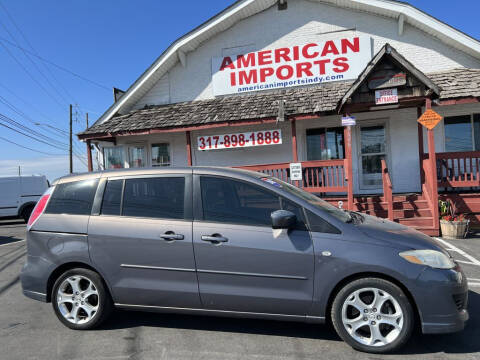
point(325, 94)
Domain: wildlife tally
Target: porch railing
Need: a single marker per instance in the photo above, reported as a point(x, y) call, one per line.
point(319, 176)
point(458, 169)
point(387, 189)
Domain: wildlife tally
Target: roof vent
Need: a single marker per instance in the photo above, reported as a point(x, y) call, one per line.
point(282, 4)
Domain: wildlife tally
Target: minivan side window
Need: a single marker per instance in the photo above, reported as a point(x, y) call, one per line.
point(237, 202)
point(112, 197)
point(156, 197)
point(74, 198)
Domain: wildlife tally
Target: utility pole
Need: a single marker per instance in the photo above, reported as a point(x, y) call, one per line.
point(89, 151)
point(70, 147)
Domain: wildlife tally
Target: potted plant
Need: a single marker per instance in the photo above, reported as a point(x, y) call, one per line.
point(452, 224)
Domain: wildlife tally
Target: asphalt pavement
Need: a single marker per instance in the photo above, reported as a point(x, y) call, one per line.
point(30, 330)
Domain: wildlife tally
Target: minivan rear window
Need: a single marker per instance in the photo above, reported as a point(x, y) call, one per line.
point(75, 198)
point(159, 197)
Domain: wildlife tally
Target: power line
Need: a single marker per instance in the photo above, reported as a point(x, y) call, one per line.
point(31, 137)
point(2, 39)
point(26, 147)
point(33, 49)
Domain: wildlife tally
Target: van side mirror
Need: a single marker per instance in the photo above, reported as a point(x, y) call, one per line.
point(283, 219)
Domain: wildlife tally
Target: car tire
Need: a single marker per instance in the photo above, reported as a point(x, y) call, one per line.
point(27, 212)
point(80, 299)
point(364, 326)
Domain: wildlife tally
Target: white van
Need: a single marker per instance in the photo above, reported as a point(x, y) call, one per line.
point(19, 194)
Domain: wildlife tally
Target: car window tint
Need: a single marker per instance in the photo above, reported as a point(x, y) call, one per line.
point(112, 197)
point(318, 224)
point(161, 197)
point(297, 210)
point(237, 202)
point(75, 198)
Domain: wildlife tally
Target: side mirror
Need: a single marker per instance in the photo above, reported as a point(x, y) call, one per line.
point(283, 219)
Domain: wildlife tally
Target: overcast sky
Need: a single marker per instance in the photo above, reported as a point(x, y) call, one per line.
point(109, 43)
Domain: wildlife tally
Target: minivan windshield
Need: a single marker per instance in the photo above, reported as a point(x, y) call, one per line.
point(340, 214)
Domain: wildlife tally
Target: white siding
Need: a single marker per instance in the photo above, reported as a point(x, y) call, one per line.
point(303, 21)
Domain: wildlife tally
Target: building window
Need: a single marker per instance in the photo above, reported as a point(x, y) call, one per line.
point(136, 156)
point(160, 155)
point(462, 133)
point(325, 144)
point(113, 157)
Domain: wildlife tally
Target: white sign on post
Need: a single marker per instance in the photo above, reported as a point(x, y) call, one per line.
point(349, 121)
point(386, 96)
point(295, 171)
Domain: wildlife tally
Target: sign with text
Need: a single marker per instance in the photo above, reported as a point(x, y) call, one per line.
point(386, 96)
point(349, 120)
point(240, 140)
point(430, 119)
point(295, 171)
point(312, 63)
point(387, 79)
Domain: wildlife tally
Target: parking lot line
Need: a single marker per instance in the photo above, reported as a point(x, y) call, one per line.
point(14, 242)
point(460, 251)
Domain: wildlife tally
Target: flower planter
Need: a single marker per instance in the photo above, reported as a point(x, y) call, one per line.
point(454, 229)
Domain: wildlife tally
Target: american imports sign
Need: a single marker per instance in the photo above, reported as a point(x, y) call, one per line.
point(312, 63)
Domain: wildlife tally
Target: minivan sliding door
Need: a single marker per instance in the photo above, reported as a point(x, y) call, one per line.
point(142, 241)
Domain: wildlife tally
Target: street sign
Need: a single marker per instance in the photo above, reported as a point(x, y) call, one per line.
point(295, 171)
point(430, 119)
point(349, 121)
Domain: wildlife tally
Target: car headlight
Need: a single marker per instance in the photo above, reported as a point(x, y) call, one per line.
point(432, 258)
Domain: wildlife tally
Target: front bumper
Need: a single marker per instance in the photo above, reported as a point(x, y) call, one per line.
point(34, 277)
point(442, 299)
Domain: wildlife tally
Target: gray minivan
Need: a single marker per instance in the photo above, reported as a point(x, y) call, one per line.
point(227, 242)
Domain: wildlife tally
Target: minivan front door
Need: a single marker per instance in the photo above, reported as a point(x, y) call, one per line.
point(142, 242)
point(243, 264)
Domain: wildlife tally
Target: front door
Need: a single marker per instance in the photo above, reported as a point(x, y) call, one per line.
point(242, 263)
point(373, 149)
point(142, 241)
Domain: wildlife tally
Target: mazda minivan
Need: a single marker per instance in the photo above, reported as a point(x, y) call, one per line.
point(225, 242)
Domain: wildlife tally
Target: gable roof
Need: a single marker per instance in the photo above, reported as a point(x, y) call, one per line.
point(387, 51)
point(242, 9)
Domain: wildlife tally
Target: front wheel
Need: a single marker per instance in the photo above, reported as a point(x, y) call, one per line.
point(373, 315)
point(80, 299)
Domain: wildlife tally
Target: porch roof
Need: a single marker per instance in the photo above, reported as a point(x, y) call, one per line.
point(313, 100)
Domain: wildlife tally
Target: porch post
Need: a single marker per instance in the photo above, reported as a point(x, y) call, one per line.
point(89, 156)
point(189, 148)
point(421, 150)
point(432, 176)
point(347, 134)
point(294, 141)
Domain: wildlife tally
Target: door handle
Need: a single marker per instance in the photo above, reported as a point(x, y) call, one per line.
point(170, 236)
point(214, 239)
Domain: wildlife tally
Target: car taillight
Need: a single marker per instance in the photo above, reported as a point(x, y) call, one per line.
point(38, 210)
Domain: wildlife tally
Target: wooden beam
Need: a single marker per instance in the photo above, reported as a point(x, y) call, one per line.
point(294, 141)
point(347, 134)
point(432, 175)
point(421, 150)
point(89, 156)
point(189, 148)
point(467, 100)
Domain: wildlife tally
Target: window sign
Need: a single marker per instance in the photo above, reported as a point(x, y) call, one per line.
point(240, 140)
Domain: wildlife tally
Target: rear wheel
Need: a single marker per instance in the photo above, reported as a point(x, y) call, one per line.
point(80, 299)
point(27, 212)
point(373, 315)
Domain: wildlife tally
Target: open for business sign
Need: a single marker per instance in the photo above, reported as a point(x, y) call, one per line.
point(312, 63)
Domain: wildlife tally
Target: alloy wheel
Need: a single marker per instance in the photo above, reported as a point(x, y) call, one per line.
point(372, 317)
